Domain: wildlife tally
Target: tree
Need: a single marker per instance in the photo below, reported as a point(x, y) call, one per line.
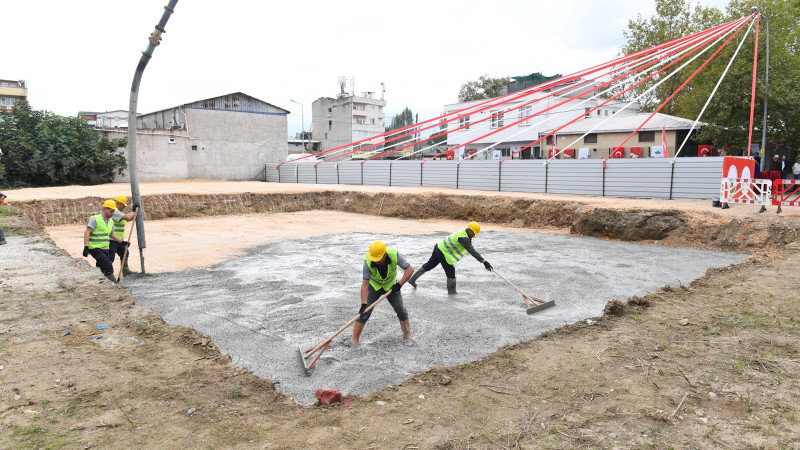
point(484, 87)
point(43, 149)
point(728, 114)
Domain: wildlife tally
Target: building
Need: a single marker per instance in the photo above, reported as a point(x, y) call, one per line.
point(603, 136)
point(348, 118)
point(474, 125)
point(230, 137)
point(11, 91)
point(106, 120)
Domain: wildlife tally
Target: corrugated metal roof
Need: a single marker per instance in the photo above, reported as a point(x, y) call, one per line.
point(626, 124)
point(236, 101)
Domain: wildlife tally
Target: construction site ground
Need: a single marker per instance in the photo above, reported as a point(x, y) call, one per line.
point(709, 364)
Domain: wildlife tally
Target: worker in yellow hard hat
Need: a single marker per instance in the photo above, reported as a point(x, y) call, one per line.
point(449, 251)
point(120, 218)
point(379, 275)
point(96, 237)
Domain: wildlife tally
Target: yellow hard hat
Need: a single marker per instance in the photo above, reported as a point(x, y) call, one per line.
point(376, 251)
point(122, 199)
point(475, 227)
point(110, 204)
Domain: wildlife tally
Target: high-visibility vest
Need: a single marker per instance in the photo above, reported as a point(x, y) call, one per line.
point(452, 249)
point(119, 229)
point(99, 237)
point(375, 278)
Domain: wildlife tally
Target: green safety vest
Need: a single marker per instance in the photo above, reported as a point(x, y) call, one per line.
point(453, 250)
point(99, 237)
point(375, 279)
point(119, 229)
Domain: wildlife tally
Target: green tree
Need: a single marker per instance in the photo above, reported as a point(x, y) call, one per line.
point(403, 119)
point(728, 114)
point(484, 87)
point(44, 149)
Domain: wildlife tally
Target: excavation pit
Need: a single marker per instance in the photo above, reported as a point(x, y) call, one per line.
point(261, 307)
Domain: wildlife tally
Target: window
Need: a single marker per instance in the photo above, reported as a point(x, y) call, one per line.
point(590, 138)
point(6, 101)
point(359, 107)
point(361, 120)
point(505, 151)
point(371, 109)
point(194, 147)
point(647, 136)
point(330, 124)
point(463, 122)
point(549, 140)
point(372, 121)
point(524, 112)
point(586, 112)
point(497, 119)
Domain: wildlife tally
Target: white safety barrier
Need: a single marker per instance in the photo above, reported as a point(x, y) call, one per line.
point(746, 190)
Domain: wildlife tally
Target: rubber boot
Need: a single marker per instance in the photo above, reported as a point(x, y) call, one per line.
point(125, 270)
point(111, 277)
point(451, 286)
point(406, 327)
point(358, 327)
point(413, 280)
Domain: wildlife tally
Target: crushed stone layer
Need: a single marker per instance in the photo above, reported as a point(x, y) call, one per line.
point(262, 307)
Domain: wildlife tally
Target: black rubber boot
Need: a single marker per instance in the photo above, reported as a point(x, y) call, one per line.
point(111, 277)
point(413, 280)
point(451, 286)
point(125, 270)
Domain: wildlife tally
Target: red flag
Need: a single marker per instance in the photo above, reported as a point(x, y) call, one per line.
point(664, 141)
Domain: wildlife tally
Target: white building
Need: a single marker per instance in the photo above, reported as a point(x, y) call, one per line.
point(346, 119)
point(475, 123)
point(106, 120)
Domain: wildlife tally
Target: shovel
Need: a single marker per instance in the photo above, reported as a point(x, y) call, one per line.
point(324, 345)
point(538, 303)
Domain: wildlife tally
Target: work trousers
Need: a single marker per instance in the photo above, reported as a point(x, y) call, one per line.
point(103, 261)
point(437, 257)
point(395, 299)
point(115, 249)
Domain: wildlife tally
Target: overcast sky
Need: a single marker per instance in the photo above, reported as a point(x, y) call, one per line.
point(80, 55)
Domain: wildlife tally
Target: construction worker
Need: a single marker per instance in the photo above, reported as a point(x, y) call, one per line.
point(380, 276)
point(120, 218)
point(96, 237)
point(449, 251)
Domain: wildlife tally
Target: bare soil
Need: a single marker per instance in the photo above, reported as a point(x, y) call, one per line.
point(711, 365)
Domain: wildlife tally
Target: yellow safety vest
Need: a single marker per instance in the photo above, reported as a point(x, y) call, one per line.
point(376, 280)
point(99, 237)
point(453, 250)
point(119, 229)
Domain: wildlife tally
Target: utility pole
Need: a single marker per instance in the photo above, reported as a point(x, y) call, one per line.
point(302, 124)
point(766, 98)
point(155, 39)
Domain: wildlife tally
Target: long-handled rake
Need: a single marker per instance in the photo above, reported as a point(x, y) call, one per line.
point(324, 345)
point(538, 303)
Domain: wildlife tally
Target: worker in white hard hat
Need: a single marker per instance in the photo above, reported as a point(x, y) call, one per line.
point(379, 275)
point(120, 218)
point(449, 251)
point(96, 237)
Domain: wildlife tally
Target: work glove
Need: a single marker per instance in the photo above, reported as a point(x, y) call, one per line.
point(85, 251)
point(124, 245)
point(361, 310)
point(487, 265)
point(396, 288)
point(135, 207)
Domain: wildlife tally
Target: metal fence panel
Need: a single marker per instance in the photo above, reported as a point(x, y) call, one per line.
point(522, 176)
point(288, 173)
point(376, 172)
point(306, 173)
point(327, 173)
point(575, 176)
point(406, 173)
point(483, 175)
point(638, 178)
point(350, 172)
point(439, 173)
point(697, 178)
point(271, 175)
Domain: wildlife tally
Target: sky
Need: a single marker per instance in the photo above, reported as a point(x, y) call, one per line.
point(80, 55)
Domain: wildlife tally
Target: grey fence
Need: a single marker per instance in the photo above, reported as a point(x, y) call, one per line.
point(686, 178)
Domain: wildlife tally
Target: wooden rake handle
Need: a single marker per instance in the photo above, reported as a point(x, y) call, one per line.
point(125, 253)
point(344, 327)
point(518, 289)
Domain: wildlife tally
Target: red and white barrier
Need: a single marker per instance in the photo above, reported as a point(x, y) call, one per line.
point(745, 190)
point(786, 193)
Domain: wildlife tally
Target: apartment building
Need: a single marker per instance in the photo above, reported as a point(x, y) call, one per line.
point(11, 91)
point(347, 118)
